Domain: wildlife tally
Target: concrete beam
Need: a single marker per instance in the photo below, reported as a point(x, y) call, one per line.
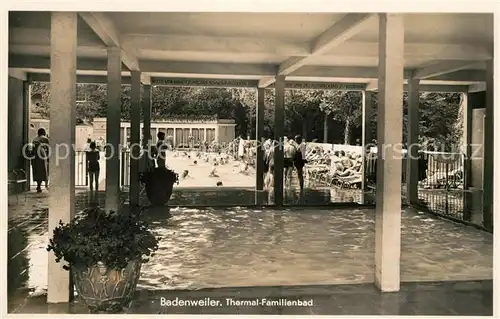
point(38, 62)
point(442, 68)
point(372, 73)
point(182, 43)
point(265, 82)
point(477, 87)
point(145, 79)
point(41, 37)
point(340, 32)
point(373, 86)
point(18, 74)
point(35, 40)
point(230, 69)
point(339, 86)
point(158, 81)
point(80, 78)
point(238, 69)
point(105, 29)
point(416, 50)
point(175, 82)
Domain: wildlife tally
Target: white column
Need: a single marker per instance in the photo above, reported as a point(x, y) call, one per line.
point(488, 148)
point(175, 136)
point(135, 136)
point(157, 131)
point(190, 134)
point(467, 140)
point(113, 119)
point(26, 128)
point(63, 38)
point(413, 129)
point(279, 128)
point(217, 133)
point(389, 136)
point(367, 98)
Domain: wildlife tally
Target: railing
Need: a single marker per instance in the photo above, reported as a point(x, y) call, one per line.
point(440, 189)
point(440, 184)
point(81, 176)
point(81, 179)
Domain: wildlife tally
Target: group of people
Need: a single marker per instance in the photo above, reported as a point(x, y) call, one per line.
point(294, 153)
point(340, 163)
point(39, 156)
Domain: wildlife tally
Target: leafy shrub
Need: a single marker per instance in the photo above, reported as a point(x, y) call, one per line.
point(112, 238)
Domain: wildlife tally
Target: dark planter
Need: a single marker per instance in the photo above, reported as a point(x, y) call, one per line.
point(104, 289)
point(159, 185)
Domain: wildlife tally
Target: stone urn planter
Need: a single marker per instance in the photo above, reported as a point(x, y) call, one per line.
point(104, 251)
point(107, 289)
point(159, 184)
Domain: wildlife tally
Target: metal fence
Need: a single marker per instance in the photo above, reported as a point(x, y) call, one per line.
point(81, 176)
point(440, 184)
point(440, 189)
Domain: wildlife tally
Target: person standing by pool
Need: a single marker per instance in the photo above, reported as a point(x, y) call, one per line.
point(93, 167)
point(161, 150)
point(40, 159)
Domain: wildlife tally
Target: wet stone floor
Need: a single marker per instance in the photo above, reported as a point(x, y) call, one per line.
point(218, 249)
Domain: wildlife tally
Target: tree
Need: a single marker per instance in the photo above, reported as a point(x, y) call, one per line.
point(302, 111)
point(438, 115)
point(345, 106)
point(43, 89)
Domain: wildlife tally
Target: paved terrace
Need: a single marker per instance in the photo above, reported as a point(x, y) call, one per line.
point(275, 252)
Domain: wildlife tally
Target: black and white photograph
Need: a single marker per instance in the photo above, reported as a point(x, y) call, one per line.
point(238, 161)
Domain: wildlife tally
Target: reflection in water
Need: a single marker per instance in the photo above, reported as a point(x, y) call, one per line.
point(18, 263)
point(234, 247)
point(215, 247)
point(206, 248)
point(245, 197)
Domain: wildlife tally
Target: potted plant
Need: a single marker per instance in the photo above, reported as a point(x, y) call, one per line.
point(104, 252)
point(159, 182)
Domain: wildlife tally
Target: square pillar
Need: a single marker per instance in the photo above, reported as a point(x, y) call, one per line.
point(389, 136)
point(488, 148)
point(113, 122)
point(279, 133)
point(175, 136)
point(63, 37)
point(413, 129)
point(135, 135)
point(367, 100)
point(217, 132)
point(26, 129)
point(467, 149)
point(259, 136)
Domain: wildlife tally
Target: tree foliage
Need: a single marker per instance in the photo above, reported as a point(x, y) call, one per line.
point(305, 110)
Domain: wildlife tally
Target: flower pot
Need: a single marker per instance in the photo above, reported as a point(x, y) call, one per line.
point(159, 185)
point(104, 289)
